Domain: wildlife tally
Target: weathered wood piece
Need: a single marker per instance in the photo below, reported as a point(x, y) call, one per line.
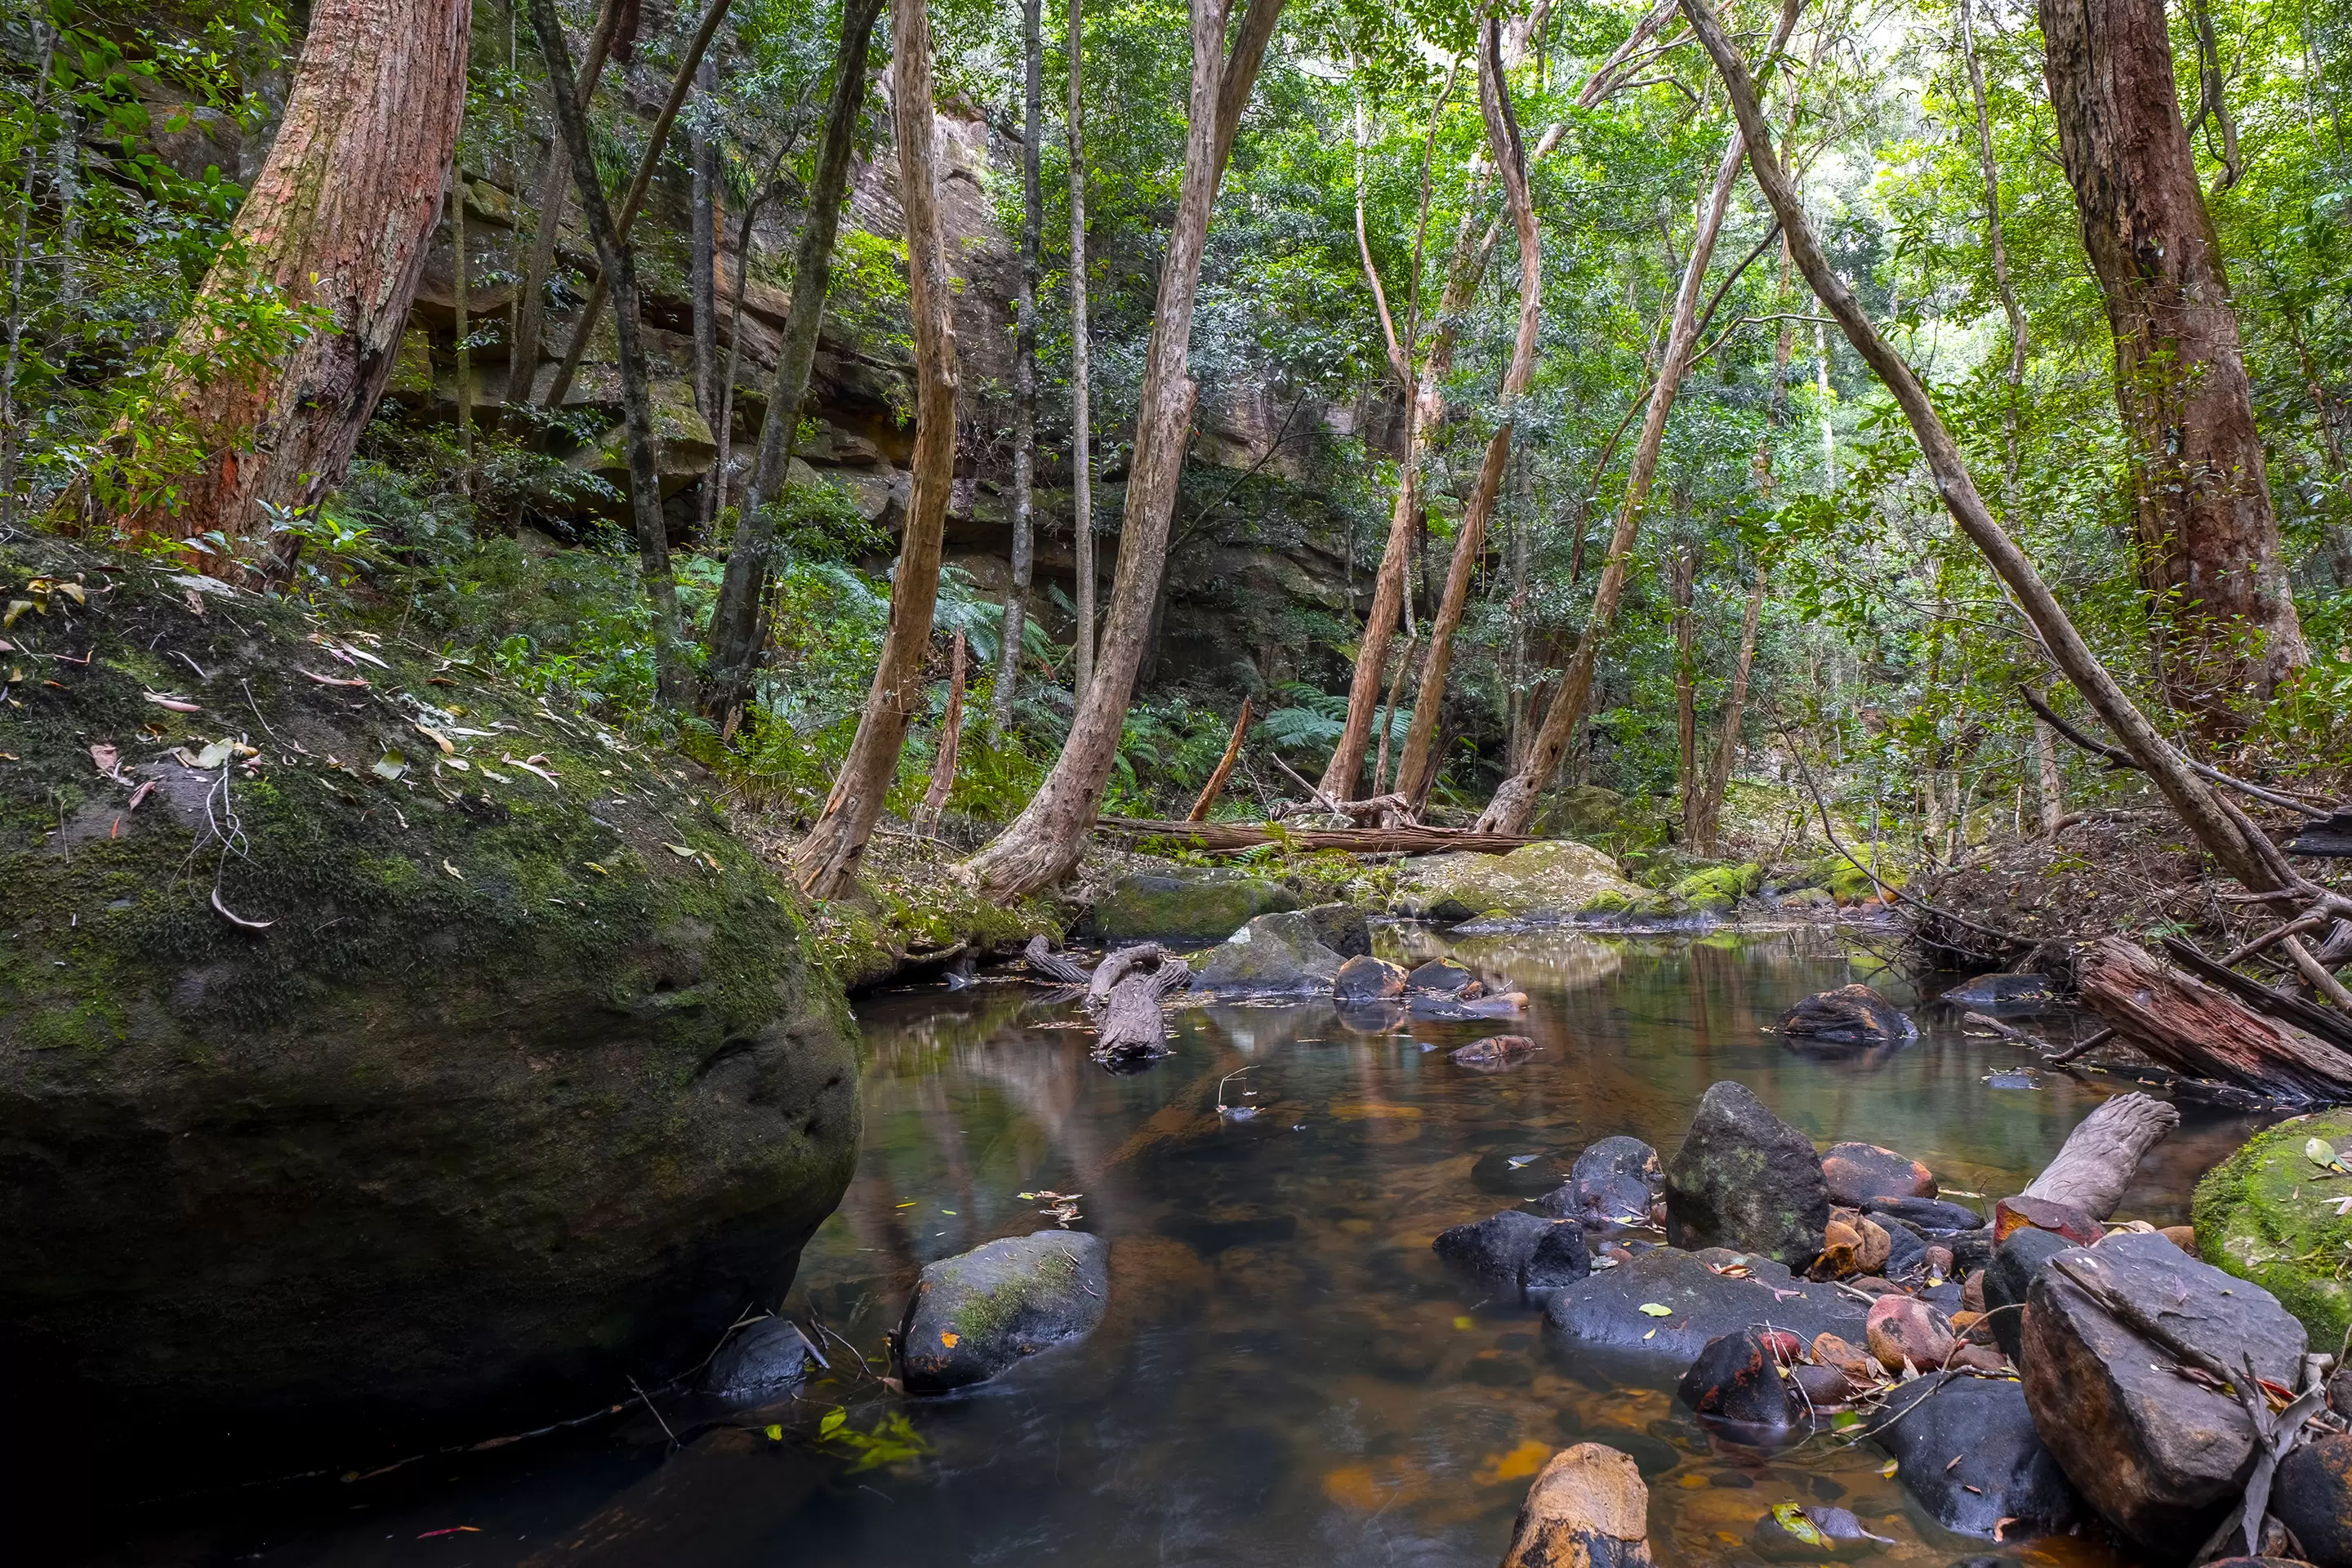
point(2200, 1029)
point(1116, 966)
point(2325, 1022)
point(2330, 837)
point(1217, 836)
point(1053, 965)
point(1125, 991)
point(2098, 1161)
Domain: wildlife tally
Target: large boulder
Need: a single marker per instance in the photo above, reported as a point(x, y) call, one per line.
point(2267, 1213)
point(489, 1066)
point(1705, 1295)
point(976, 1313)
point(2312, 1495)
point(1966, 1450)
point(1588, 1509)
point(1744, 1178)
point(1272, 955)
point(1555, 880)
point(1848, 1016)
point(2159, 1455)
point(1200, 907)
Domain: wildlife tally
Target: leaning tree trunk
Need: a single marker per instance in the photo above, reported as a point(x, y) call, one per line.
point(1044, 842)
point(1682, 590)
point(829, 855)
point(1082, 510)
point(2208, 538)
point(702, 153)
point(1024, 378)
point(736, 628)
point(672, 679)
point(2208, 818)
point(337, 224)
point(554, 181)
point(1418, 767)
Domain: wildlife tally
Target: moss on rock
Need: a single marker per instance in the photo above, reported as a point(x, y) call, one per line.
point(2269, 1214)
point(1717, 888)
point(1550, 880)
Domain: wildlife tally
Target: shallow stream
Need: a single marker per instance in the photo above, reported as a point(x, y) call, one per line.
point(1287, 1375)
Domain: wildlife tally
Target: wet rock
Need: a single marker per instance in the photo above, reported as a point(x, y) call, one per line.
point(2009, 1277)
point(975, 1314)
point(1367, 979)
point(1851, 1245)
point(1554, 879)
point(1822, 1386)
point(2002, 1471)
point(1498, 1247)
point(1620, 1156)
point(2265, 1215)
point(1848, 1016)
point(1906, 1249)
point(1613, 1182)
point(1931, 1215)
point(1588, 1509)
point(1559, 1260)
point(1859, 1173)
point(1515, 1174)
point(2011, 1215)
point(1445, 978)
point(1463, 1010)
point(1274, 954)
point(1798, 1532)
point(1737, 1378)
point(1604, 1311)
point(2312, 1495)
point(1343, 928)
point(1495, 1052)
point(1905, 1332)
point(1205, 907)
point(1744, 1178)
point(2158, 1454)
point(2020, 993)
point(761, 1360)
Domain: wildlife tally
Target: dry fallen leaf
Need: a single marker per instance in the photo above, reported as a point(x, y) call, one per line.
point(177, 704)
point(237, 920)
point(108, 758)
point(331, 680)
point(531, 767)
point(448, 749)
point(453, 870)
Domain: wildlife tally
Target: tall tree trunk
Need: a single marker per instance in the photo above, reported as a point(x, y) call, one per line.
point(702, 152)
point(1024, 372)
point(2206, 817)
point(1709, 831)
point(459, 268)
point(1418, 766)
point(2049, 791)
point(1044, 842)
point(827, 857)
point(554, 185)
point(1082, 513)
point(1997, 241)
point(1514, 805)
point(45, 53)
point(736, 627)
point(337, 221)
point(2208, 538)
point(722, 428)
point(673, 680)
point(943, 760)
point(1683, 583)
point(656, 138)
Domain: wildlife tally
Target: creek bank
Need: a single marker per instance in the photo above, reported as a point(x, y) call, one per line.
point(483, 1063)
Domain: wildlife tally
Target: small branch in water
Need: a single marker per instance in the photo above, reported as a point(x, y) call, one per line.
point(657, 1413)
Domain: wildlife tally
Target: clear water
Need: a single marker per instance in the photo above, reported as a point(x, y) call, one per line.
point(1287, 1376)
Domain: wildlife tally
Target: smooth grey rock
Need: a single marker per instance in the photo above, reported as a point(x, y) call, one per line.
point(2003, 1471)
point(761, 1360)
point(1603, 1312)
point(1744, 1178)
point(1273, 954)
point(976, 1313)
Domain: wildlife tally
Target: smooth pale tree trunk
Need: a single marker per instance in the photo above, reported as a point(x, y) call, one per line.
point(673, 680)
point(736, 627)
point(943, 760)
point(459, 268)
point(1044, 842)
point(703, 153)
point(1418, 767)
point(1514, 805)
point(2206, 817)
point(2050, 783)
point(1082, 514)
point(1997, 241)
point(1025, 374)
point(680, 87)
point(1709, 831)
point(1682, 588)
point(827, 857)
point(2208, 538)
point(554, 185)
point(723, 425)
point(337, 221)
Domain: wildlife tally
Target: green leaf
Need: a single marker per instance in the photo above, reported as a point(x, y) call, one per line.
point(390, 766)
point(1656, 1310)
point(2320, 1152)
point(831, 1422)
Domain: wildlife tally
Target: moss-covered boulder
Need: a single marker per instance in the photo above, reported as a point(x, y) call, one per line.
point(1206, 906)
point(1853, 876)
point(975, 1314)
point(2268, 1214)
point(383, 1054)
point(1555, 880)
point(1717, 888)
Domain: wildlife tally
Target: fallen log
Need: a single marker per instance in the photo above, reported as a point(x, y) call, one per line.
point(1053, 965)
point(1132, 1023)
point(1219, 837)
point(2097, 1163)
point(2202, 1030)
point(2325, 1022)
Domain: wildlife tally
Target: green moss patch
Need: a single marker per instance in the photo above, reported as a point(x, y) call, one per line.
point(2268, 1214)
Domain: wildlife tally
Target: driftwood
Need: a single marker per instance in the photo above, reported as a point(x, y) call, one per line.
point(1053, 965)
point(1216, 785)
point(1222, 837)
point(2202, 1030)
point(1125, 993)
point(2099, 1157)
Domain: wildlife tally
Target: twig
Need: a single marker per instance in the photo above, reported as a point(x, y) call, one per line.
point(657, 1415)
point(2082, 1047)
point(2122, 761)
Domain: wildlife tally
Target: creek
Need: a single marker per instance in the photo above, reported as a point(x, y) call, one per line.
point(1287, 1373)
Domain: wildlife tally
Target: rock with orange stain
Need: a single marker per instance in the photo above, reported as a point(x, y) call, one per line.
point(973, 1315)
point(1587, 1509)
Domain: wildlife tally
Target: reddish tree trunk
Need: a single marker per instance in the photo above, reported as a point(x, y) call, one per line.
point(337, 221)
point(2209, 540)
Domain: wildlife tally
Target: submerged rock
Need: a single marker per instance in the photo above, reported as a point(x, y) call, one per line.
point(1441, 976)
point(469, 1125)
point(1605, 1311)
point(1203, 907)
point(1515, 1174)
point(1272, 955)
point(760, 1360)
point(2267, 1213)
point(2011, 993)
point(1967, 1452)
point(1863, 1173)
point(1801, 1532)
point(1738, 1378)
point(2160, 1455)
point(975, 1314)
point(1588, 1509)
point(1744, 1178)
point(1368, 979)
point(1848, 1016)
point(1498, 1246)
point(1494, 1053)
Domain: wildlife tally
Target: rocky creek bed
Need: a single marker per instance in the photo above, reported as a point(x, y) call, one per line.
point(1263, 1350)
